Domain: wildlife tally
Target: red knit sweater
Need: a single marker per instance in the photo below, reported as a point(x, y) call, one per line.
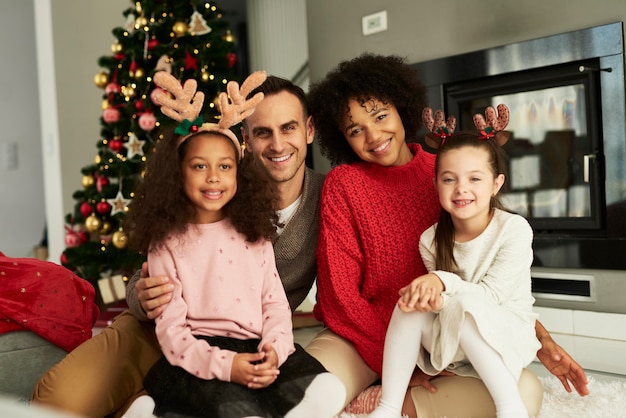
point(371, 221)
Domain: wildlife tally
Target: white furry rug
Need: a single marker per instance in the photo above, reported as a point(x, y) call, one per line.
point(607, 399)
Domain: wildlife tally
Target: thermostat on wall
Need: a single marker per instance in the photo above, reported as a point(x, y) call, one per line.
point(374, 23)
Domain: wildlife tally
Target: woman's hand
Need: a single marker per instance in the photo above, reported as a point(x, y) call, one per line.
point(419, 378)
point(422, 294)
point(255, 370)
point(153, 293)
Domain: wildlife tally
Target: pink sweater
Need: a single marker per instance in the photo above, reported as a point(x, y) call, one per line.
point(371, 220)
point(224, 286)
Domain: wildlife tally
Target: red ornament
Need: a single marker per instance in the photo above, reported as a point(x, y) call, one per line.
point(232, 59)
point(139, 106)
point(83, 236)
point(191, 63)
point(147, 121)
point(119, 57)
point(111, 115)
point(103, 208)
point(152, 43)
point(116, 145)
point(112, 88)
point(101, 183)
point(72, 239)
point(64, 259)
point(85, 209)
point(156, 92)
point(133, 66)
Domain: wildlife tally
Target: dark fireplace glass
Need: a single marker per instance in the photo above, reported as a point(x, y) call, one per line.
point(554, 169)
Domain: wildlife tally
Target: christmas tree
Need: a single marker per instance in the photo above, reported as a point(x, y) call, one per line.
point(189, 39)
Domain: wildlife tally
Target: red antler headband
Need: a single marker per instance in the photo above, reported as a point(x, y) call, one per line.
point(187, 103)
point(494, 125)
point(438, 127)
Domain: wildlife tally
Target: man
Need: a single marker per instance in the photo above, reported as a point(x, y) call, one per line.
point(105, 375)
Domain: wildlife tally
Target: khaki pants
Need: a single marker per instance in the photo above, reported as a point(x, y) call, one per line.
point(102, 376)
point(456, 396)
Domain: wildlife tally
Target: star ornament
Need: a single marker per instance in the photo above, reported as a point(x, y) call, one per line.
point(191, 63)
point(134, 146)
point(119, 204)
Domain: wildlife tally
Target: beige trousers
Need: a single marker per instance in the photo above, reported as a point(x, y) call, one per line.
point(456, 396)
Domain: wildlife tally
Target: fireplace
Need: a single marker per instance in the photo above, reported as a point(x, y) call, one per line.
point(567, 152)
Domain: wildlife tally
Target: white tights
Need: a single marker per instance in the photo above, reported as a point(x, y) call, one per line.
point(408, 332)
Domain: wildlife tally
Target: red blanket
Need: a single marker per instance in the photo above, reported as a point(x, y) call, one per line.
point(47, 299)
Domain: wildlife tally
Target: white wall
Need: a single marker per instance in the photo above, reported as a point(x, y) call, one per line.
point(22, 211)
point(421, 31)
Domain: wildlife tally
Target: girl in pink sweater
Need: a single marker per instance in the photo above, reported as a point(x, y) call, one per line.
point(205, 216)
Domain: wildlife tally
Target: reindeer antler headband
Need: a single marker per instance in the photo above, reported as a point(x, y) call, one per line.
point(490, 126)
point(187, 103)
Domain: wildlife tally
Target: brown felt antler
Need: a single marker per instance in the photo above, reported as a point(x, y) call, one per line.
point(186, 104)
point(439, 128)
point(493, 124)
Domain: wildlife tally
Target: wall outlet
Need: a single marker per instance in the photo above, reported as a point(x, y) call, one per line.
point(374, 23)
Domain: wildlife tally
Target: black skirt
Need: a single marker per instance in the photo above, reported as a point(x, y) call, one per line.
point(178, 393)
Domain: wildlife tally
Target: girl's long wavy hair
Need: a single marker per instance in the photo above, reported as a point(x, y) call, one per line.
point(444, 234)
point(386, 78)
point(161, 208)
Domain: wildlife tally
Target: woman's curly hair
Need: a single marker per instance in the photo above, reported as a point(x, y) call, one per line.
point(368, 76)
point(161, 208)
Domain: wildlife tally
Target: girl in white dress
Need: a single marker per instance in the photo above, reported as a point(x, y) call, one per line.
point(472, 313)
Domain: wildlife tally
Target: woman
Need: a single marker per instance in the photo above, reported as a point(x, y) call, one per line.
point(375, 205)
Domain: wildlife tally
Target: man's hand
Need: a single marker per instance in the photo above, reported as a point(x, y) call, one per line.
point(560, 363)
point(153, 293)
point(420, 378)
point(255, 370)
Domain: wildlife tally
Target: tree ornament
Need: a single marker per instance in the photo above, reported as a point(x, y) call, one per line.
point(105, 228)
point(139, 73)
point(84, 237)
point(197, 25)
point(134, 145)
point(105, 104)
point(111, 115)
point(141, 22)
point(85, 209)
point(164, 64)
point(103, 207)
point(119, 204)
point(180, 29)
point(92, 223)
point(128, 92)
point(228, 37)
point(130, 23)
point(101, 183)
point(64, 261)
point(232, 59)
point(116, 145)
point(87, 181)
point(147, 121)
point(120, 239)
point(72, 239)
point(155, 94)
point(152, 43)
point(191, 62)
point(97, 159)
point(101, 79)
point(112, 88)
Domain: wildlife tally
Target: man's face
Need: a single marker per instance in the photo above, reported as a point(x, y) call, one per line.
point(278, 134)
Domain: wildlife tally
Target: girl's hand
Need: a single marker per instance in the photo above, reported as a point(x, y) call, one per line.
point(422, 294)
point(255, 370)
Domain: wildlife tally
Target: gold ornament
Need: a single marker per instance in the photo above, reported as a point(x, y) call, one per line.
point(101, 79)
point(88, 181)
point(119, 239)
point(139, 73)
point(105, 228)
point(97, 159)
point(105, 104)
point(180, 29)
point(228, 37)
point(117, 48)
point(141, 22)
point(128, 92)
point(92, 223)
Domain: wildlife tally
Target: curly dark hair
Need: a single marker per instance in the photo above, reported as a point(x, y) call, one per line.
point(386, 78)
point(161, 207)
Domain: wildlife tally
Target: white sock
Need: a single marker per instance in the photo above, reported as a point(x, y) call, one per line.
point(488, 363)
point(142, 407)
point(402, 345)
point(324, 398)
